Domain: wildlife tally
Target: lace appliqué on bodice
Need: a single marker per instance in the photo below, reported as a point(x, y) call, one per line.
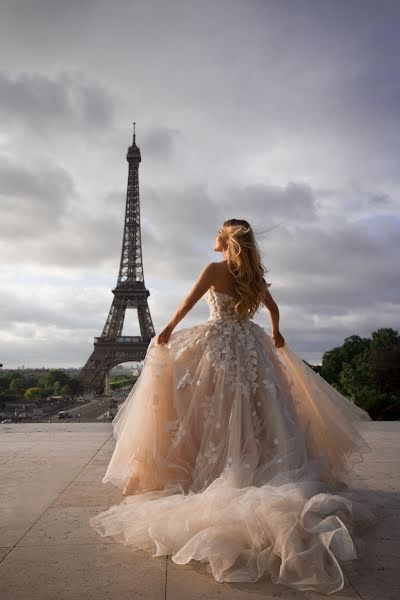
point(221, 338)
point(220, 304)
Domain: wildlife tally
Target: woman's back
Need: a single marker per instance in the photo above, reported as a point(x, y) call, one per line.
point(224, 281)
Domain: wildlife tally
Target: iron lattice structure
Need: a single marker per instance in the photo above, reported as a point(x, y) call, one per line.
point(112, 348)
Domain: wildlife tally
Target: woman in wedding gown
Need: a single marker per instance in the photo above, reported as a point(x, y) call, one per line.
point(230, 450)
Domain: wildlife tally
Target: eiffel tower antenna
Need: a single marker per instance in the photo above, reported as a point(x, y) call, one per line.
point(112, 348)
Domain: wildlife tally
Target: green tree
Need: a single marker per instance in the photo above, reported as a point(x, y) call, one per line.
point(368, 372)
point(33, 393)
point(65, 390)
point(5, 381)
point(75, 386)
point(17, 384)
point(57, 388)
point(333, 360)
point(54, 376)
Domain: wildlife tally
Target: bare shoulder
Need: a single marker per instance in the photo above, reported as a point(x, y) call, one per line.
point(221, 267)
point(210, 268)
point(207, 274)
point(221, 276)
point(218, 263)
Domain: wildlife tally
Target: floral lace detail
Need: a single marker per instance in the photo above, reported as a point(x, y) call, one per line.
point(159, 369)
point(178, 435)
point(211, 453)
point(270, 386)
point(186, 379)
point(221, 304)
point(180, 351)
point(207, 408)
point(209, 456)
point(239, 371)
point(258, 424)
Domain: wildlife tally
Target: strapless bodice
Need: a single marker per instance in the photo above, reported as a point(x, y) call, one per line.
point(221, 305)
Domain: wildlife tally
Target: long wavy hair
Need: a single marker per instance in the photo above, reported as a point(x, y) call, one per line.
point(244, 263)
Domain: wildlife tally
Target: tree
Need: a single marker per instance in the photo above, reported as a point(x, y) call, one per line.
point(33, 393)
point(368, 372)
point(333, 360)
point(17, 384)
point(65, 390)
point(54, 376)
point(5, 381)
point(75, 385)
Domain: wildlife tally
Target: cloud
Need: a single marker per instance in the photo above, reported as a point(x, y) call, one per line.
point(159, 142)
point(32, 201)
point(48, 105)
point(285, 116)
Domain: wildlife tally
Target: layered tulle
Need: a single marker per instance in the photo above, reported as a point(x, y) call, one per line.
point(229, 451)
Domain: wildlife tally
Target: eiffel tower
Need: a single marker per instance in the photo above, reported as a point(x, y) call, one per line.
point(112, 348)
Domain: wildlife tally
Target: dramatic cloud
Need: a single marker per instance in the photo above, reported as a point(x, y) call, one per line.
point(282, 113)
point(45, 106)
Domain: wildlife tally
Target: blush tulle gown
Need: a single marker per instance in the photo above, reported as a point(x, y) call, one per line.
point(235, 453)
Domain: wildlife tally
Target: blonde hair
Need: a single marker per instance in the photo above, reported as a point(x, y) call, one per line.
point(244, 263)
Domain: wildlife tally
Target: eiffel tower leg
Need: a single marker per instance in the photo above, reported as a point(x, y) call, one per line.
point(145, 322)
point(93, 374)
point(105, 356)
point(107, 388)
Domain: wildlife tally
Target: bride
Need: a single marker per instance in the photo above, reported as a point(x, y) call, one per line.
point(230, 449)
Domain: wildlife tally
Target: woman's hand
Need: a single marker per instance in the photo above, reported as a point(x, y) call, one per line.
point(164, 336)
point(278, 339)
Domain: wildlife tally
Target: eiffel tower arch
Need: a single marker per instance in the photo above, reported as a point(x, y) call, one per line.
point(112, 348)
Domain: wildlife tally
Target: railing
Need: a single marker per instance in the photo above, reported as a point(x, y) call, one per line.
point(124, 339)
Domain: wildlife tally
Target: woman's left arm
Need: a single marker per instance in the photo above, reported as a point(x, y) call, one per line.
point(204, 281)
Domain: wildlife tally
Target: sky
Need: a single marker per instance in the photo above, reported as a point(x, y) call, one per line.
point(283, 113)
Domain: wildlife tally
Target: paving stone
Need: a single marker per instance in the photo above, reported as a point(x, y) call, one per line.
point(376, 575)
point(74, 572)
point(67, 524)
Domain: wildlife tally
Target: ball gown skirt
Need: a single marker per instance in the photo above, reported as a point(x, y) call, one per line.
point(235, 453)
